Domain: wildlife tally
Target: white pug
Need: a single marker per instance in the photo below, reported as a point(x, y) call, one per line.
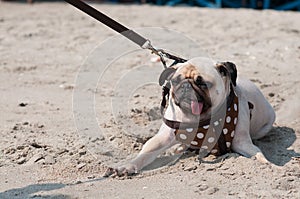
point(210, 110)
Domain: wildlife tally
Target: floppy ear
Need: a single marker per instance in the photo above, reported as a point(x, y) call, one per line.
point(166, 75)
point(228, 68)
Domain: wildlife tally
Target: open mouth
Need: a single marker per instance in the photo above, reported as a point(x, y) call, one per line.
point(196, 107)
point(192, 100)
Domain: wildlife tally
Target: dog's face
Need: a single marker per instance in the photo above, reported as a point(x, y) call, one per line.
point(199, 85)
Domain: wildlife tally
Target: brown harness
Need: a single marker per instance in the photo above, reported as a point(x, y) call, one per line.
point(212, 136)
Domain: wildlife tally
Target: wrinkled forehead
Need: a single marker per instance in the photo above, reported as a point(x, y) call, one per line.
point(198, 67)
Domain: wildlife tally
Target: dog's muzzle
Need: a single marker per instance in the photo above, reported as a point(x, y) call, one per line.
point(188, 96)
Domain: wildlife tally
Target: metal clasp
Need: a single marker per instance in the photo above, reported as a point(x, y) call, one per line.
point(162, 54)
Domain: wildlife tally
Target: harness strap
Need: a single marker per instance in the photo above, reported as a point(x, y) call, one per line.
point(212, 136)
point(165, 96)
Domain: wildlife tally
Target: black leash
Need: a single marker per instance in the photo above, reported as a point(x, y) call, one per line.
point(130, 34)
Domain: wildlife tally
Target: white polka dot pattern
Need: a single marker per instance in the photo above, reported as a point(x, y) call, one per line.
point(206, 127)
point(225, 131)
point(189, 130)
point(228, 119)
point(235, 107)
point(183, 136)
point(200, 135)
point(211, 139)
point(228, 144)
point(235, 121)
point(216, 123)
point(214, 151)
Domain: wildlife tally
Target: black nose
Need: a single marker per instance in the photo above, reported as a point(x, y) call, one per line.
point(186, 85)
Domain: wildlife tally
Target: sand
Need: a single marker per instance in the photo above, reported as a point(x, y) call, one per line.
point(51, 148)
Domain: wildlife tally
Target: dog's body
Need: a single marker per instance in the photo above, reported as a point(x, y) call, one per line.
point(198, 89)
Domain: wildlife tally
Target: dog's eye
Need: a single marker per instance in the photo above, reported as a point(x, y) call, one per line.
point(206, 85)
point(203, 84)
point(199, 81)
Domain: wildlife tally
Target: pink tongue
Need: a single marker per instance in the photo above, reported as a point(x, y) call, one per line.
point(196, 107)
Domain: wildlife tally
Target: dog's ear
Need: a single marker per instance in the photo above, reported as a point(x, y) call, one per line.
point(228, 68)
point(166, 75)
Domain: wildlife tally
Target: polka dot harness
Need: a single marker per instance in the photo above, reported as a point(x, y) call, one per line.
point(213, 136)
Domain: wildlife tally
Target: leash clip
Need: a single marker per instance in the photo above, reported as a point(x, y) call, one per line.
point(158, 52)
point(163, 54)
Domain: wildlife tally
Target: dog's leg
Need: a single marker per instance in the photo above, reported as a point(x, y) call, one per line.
point(242, 142)
point(248, 149)
point(265, 129)
point(163, 140)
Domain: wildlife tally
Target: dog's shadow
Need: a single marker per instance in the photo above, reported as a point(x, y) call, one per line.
point(276, 145)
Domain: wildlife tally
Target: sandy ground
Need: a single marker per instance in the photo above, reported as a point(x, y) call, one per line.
point(44, 155)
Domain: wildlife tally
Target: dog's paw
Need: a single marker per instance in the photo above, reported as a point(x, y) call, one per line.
point(261, 158)
point(125, 170)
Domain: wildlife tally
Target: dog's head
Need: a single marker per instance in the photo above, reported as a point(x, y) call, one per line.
point(199, 85)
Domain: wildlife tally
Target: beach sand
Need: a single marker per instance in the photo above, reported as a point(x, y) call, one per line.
point(51, 148)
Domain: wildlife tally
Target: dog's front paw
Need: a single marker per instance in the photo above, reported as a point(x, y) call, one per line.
point(125, 170)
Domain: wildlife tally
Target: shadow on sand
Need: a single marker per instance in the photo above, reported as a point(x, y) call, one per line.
point(276, 145)
point(31, 191)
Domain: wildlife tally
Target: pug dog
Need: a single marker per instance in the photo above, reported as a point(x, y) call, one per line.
point(209, 110)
